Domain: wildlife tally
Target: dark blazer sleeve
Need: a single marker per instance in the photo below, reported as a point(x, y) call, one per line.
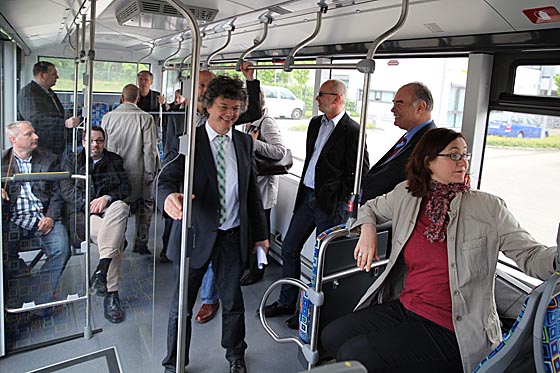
point(49, 192)
point(254, 107)
point(72, 190)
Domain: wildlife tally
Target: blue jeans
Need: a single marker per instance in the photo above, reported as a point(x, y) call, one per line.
point(24, 286)
point(307, 217)
point(209, 292)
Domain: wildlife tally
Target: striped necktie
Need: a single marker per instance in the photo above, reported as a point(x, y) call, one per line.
point(221, 174)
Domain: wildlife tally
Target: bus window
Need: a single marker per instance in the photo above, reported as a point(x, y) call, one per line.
point(522, 166)
point(537, 80)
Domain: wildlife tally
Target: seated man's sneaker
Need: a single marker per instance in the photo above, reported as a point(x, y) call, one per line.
point(112, 307)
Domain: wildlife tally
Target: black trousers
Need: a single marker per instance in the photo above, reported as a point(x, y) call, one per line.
point(253, 262)
point(389, 338)
point(228, 268)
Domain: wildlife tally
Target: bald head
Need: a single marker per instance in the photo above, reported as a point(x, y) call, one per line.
point(331, 98)
point(130, 93)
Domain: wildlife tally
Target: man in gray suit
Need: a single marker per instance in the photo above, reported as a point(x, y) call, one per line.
point(226, 209)
point(131, 133)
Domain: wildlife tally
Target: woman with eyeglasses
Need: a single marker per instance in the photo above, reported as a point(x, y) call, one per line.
point(433, 308)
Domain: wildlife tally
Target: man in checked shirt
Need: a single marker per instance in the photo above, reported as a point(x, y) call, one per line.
point(31, 220)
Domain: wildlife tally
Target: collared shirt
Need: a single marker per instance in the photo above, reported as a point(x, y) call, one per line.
point(327, 127)
point(201, 119)
point(232, 188)
point(28, 208)
point(410, 134)
point(406, 139)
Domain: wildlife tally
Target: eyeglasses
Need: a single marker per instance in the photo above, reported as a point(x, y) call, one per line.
point(457, 156)
point(97, 141)
point(321, 94)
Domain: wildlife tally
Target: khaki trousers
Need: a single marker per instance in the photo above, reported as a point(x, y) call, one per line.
point(108, 233)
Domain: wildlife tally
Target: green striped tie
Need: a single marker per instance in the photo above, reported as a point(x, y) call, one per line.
point(221, 173)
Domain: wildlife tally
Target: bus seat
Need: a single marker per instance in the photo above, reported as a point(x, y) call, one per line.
point(550, 338)
point(515, 341)
point(98, 110)
point(69, 109)
point(342, 291)
point(115, 105)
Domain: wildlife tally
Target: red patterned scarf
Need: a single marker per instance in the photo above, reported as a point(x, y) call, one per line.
point(439, 197)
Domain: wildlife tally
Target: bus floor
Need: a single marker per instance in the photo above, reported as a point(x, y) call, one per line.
point(140, 340)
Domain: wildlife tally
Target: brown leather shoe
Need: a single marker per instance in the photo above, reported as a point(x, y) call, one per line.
point(207, 312)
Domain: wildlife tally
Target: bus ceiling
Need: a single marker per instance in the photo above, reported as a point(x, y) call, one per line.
point(126, 26)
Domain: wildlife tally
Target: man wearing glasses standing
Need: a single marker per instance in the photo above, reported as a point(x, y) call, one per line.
point(327, 181)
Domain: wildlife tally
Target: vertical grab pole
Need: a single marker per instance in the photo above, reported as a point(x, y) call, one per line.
point(76, 72)
point(186, 223)
point(367, 66)
point(91, 59)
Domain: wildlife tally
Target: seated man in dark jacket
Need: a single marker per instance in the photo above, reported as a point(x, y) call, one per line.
point(108, 215)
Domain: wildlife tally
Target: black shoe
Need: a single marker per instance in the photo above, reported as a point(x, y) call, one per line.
point(99, 283)
point(125, 245)
point(163, 257)
point(276, 309)
point(237, 366)
point(112, 307)
point(293, 322)
point(142, 250)
point(250, 278)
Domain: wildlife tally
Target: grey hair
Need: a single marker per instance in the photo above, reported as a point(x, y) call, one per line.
point(422, 93)
point(12, 129)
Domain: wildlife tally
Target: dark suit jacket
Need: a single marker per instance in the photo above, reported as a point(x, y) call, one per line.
point(108, 176)
point(45, 114)
point(47, 191)
point(336, 166)
point(175, 123)
point(149, 103)
point(383, 177)
point(206, 205)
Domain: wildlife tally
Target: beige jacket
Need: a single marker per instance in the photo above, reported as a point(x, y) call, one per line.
point(480, 226)
point(131, 133)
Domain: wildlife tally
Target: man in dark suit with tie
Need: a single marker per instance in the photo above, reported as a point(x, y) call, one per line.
point(227, 215)
point(39, 105)
point(412, 107)
point(327, 181)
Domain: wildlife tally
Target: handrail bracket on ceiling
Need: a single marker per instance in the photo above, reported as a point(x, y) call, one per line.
point(266, 19)
point(289, 64)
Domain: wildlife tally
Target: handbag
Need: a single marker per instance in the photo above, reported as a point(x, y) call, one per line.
point(267, 166)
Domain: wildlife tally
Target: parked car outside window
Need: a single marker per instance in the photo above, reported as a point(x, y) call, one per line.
point(282, 103)
point(509, 124)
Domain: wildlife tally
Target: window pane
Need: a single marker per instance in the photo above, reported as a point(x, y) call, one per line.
point(107, 76)
point(522, 166)
point(541, 80)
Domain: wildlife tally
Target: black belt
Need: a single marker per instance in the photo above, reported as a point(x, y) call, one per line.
point(228, 232)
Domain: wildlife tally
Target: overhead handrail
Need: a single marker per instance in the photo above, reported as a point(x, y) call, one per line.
point(266, 19)
point(223, 47)
point(186, 222)
point(367, 66)
point(153, 45)
point(289, 64)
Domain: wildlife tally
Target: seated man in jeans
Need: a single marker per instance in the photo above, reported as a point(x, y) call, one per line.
point(108, 215)
point(31, 220)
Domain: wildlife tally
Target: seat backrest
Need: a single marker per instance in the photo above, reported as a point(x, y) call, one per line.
point(546, 329)
point(114, 106)
point(512, 342)
point(341, 295)
point(98, 110)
